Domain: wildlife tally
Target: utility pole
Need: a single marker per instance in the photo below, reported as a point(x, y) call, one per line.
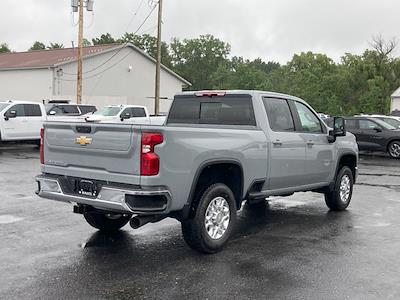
point(158, 63)
point(77, 6)
point(80, 54)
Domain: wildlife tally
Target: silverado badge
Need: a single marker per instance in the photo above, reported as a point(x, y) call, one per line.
point(83, 140)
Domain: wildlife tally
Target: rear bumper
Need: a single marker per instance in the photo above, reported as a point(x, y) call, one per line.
point(152, 200)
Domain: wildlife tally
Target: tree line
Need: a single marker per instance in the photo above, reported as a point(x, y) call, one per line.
point(356, 84)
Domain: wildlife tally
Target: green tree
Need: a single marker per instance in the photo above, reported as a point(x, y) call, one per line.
point(104, 39)
point(4, 48)
point(148, 44)
point(197, 59)
point(86, 43)
point(239, 73)
point(55, 46)
point(37, 46)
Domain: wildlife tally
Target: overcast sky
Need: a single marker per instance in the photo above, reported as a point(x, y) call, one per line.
point(270, 29)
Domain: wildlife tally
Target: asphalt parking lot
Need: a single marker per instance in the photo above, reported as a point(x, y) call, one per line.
point(291, 248)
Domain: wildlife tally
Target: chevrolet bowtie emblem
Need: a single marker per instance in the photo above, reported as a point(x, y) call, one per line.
point(83, 140)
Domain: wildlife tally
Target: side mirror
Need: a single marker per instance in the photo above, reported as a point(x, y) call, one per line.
point(10, 114)
point(339, 129)
point(378, 129)
point(126, 116)
point(52, 112)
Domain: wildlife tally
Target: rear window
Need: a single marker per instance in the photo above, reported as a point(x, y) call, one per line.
point(224, 110)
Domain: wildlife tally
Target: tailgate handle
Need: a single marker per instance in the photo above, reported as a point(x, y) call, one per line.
point(84, 129)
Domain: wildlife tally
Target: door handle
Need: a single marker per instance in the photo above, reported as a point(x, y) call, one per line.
point(277, 143)
point(310, 143)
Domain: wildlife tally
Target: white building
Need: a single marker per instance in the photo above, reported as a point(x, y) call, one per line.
point(395, 103)
point(112, 74)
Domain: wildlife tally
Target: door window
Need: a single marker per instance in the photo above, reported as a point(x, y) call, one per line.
point(126, 111)
point(368, 125)
point(351, 124)
point(32, 110)
point(308, 120)
point(138, 112)
point(19, 108)
point(279, 115)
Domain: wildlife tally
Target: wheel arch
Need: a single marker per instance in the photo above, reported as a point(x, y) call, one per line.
point(201, 180)
point(348, 159)
point(391, 141)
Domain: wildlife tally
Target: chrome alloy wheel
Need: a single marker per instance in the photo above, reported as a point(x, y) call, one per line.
point(394, 150)
point(345, 188)
point(217, 218)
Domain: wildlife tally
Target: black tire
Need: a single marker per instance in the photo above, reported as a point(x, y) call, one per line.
point(106, 223)
point(194, 229)
point(394, 149)
point(333, 199)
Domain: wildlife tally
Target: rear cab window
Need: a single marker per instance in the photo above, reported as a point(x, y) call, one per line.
point(279, 115)
point(32, 110)
point(138, 112)
point(215, 110)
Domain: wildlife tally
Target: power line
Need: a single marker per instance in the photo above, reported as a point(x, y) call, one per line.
point(121, 47)
point(101, 72)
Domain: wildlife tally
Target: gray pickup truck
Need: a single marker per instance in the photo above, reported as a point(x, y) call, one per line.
point(216, 150)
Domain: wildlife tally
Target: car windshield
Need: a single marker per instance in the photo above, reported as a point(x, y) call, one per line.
point(108, 111)
point(385, 125)
point(3, 105)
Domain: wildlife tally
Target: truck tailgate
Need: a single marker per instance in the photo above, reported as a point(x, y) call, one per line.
point(93, 150)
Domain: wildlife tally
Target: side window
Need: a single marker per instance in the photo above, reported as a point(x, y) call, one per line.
point(126, 111)
point(367, 124)
point(69, 109)
point(19, 108)
point(351, 124)
point(85, 109)
point(279, 115)
point(32, 110)
point(138, 112)
point(309, 121)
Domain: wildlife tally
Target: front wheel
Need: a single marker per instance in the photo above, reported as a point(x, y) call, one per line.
point(394, 149)
point(106, 222)
point(339, 198)
point(209, 228)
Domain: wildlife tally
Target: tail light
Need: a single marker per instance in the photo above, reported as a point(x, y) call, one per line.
point(42, 146)
point(149, 161)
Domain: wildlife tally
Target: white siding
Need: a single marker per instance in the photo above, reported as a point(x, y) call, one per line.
point(114, 83)
point(32, 85)
point(395, 104)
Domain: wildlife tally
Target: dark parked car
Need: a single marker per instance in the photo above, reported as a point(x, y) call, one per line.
point(375, 135)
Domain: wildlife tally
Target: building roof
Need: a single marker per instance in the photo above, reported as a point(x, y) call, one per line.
point(47, 58)
point(396, 93)
point(39, 59)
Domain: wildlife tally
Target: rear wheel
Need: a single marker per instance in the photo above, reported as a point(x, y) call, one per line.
point(209, 228)
point(339, 199)
point(106, 222)
point(394, 149)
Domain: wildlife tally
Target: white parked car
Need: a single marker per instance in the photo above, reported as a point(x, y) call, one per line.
point(131, 114)
point(21, 120)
